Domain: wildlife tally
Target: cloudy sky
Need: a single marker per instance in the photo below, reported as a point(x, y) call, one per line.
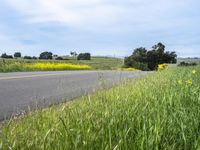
point(102, 27)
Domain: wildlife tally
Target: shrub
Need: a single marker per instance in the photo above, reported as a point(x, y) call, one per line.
point(84, 56)
point(131, 63)
point(183, 63)
point(17, 55)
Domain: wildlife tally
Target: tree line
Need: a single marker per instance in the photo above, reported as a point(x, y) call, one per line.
point(141, 58)
point(48, 56)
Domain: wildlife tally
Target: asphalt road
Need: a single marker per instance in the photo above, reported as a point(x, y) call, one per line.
point(23, 91)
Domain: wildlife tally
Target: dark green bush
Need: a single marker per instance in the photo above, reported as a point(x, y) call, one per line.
point(17, 55)
point(130, 62)
point(46, 55)
point(84, 56)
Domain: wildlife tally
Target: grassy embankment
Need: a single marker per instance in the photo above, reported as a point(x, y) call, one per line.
point(160, 111)
point(18, 65)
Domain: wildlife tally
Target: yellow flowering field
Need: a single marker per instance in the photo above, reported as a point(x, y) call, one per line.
point(56, 66)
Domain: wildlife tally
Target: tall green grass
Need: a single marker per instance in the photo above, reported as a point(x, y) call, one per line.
point(161, 111)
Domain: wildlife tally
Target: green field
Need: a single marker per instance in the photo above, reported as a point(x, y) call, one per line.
point(197, 60)
point(96, 63)
point(160, 111)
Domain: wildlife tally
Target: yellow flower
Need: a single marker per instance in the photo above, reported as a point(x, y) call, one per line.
point(188, 82)
point(57, 66)
point(128, 69)
point(194, 71)
point(180, 81)
point(161, 67)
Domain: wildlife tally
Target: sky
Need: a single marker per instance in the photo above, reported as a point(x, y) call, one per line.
point(101, 27)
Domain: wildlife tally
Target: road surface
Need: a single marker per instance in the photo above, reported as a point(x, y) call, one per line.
point(23, 91)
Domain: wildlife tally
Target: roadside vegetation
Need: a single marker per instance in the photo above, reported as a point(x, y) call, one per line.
point(55, 66)
point(96, 63)
point(40, 66)
point(148, 60)
point(141, 59)
point(160, 111)
point(183, 63)
point(128, 69)
point(47, 61)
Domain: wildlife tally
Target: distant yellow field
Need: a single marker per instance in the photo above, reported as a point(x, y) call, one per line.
point(56, 66)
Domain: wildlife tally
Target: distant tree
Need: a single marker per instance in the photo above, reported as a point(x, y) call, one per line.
point(74, 54)
point(84, 56)
point(148, 60)
point(4, 55)
point(46, 55)
point(28, 57)
point(17, 55)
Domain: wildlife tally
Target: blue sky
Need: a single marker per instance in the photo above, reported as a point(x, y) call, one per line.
point(101, 27)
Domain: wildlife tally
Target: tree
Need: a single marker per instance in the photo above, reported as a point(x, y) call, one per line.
point(17, 55)
point(158, 56)
point(138, 59)
point(148, 60)
point(84, 56)
point(140, 54)
point(46, 55)
point(4, 55)
point(74, 54)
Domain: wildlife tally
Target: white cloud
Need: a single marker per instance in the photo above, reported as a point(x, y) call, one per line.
point(71, 13)
point(89, 14)
point(118, 23)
